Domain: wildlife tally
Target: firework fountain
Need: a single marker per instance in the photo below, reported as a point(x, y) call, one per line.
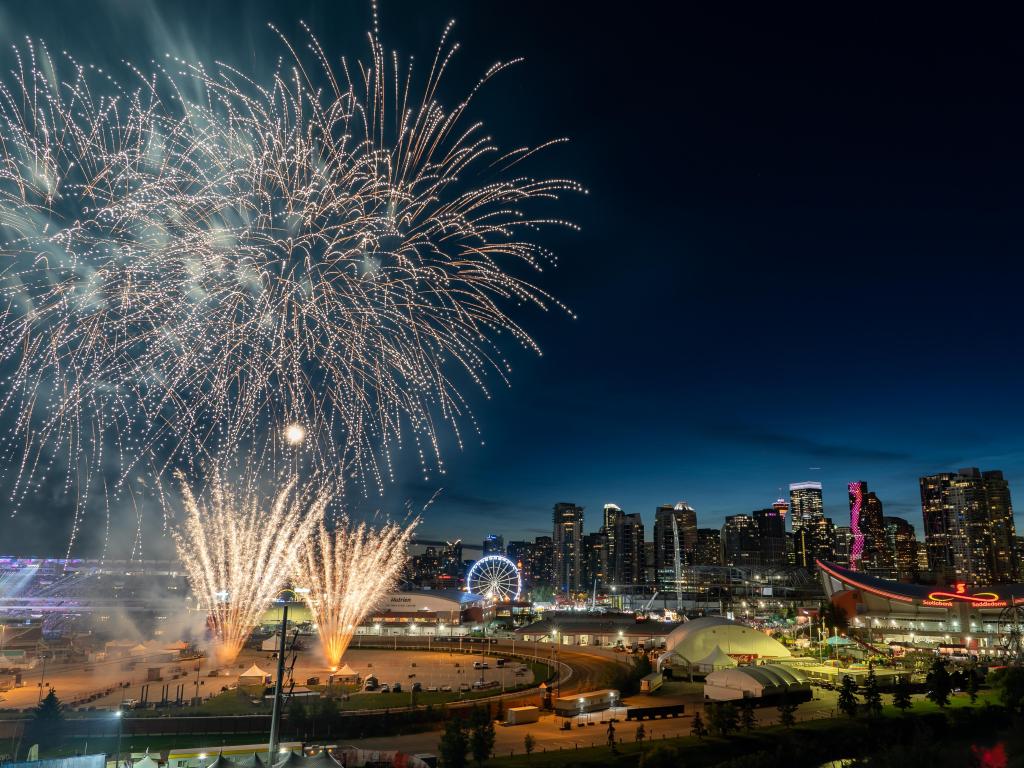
point(238, 550)
point(347, 571)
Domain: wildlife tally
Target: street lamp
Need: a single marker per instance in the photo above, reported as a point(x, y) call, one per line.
point(120, 727)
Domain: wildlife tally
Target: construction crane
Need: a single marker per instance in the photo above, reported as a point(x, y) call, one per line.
point(650, 602)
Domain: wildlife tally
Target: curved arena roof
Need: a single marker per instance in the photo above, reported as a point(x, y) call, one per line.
point(696, 640)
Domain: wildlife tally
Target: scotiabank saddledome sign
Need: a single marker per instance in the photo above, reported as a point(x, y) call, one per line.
point(959, 595)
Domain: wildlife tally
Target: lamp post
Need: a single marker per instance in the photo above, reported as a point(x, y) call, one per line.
point(275, 717)
point(120, 728)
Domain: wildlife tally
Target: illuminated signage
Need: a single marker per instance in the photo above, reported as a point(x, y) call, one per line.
point(978, 599)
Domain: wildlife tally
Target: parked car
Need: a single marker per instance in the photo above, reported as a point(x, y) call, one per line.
point(396, 688)
point(416, 687)
point(463, 687)
point(385, 688)
point(446, 688)
point(433, 688)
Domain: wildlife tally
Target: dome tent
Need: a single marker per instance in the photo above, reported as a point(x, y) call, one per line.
point(697, 639)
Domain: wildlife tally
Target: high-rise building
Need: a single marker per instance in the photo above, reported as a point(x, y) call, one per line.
point(595, 560)
point(968, 526)
point(664, 536)
point(543, 568)
point(709, 547)
point(567, 541)
point(740, 546)
point(521, 553)
point(869, 548)
point(813, 533)
point(903, 544)
point(771, 537)
point(494, 544)
point(625, 533)
point(1003, 532)
point(844, 544)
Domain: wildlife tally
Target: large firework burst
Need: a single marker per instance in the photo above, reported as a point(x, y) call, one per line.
point(187, 273)
point(345, 572)
point(238, 549)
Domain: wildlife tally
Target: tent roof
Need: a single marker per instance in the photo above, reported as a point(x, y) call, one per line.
point(718, 658)
point(146, 762)
point(254, 671)
point(346, 671)
point(295, 760)
point(837, 640)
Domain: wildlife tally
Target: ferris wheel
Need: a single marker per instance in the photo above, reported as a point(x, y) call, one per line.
point(495, 577)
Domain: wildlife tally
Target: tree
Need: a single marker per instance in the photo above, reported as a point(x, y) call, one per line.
point(1010, 684)
point(529, 744)
point(787, 712)
point(481, 738)
point(46, 727)
point(747, 716)
point(641, 733)
point(611, 737)
point(972, 684)
point(724, 719)
point(697, 728)
point(848, 697)
point(297, 720)
point(939, 683)
point(454, 744)
point(872, 696)
point(901, 696)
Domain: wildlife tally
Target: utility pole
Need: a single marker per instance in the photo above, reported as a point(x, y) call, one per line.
point(275, 717)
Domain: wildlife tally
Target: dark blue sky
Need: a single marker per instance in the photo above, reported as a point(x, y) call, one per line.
point(799, 257)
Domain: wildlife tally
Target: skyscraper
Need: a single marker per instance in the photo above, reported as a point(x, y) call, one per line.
point(595, 560)
point(709, 547)
point(740, 545)
point(494, 544)
point(968, 526)
point(813, 533)
point(869, 547)
point(664, 536)
point(771, 536)
point(903, 544)
point(567, 542)
point(1002, 531)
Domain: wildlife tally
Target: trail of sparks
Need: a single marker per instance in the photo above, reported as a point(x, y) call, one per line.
point(238, 550)
point(192, 264)
point(347, 571)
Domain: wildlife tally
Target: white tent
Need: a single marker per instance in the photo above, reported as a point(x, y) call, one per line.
point(717, 659)
point(346, 674)
point(253, 676)
point(146, 762)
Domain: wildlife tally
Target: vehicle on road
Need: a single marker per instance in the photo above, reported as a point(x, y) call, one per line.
point(385, 688)
point(446, 688)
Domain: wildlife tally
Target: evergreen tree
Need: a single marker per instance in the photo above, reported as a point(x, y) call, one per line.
point(724, 718)
point(481, 737)
point(972, 684)
point(848, 697)
point(529, 743)
point(872, 696)
point(939, 683)
point(901, 696)
point(298, 723)
point(453, 745)
point(787, 712)
point(46, 728)
point(641, 733)
point(697, 728)
point(747, 716)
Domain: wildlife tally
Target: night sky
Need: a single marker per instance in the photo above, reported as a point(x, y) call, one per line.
point(799, 256)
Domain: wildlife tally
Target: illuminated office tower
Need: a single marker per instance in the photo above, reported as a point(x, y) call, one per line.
point(771, 536)
point(903, 543)
point(709, 547)
point(968, 526)
point(567, 542)
point(494, 544)
point(740, 545)
point(664, 536)
point(813, 533)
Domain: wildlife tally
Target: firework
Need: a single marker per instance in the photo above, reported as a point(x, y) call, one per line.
point(202, 261)
point(237, 551)
point(345, 572)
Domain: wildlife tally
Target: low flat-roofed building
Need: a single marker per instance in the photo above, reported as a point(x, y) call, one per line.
point(429, 609)
point(606, 629)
